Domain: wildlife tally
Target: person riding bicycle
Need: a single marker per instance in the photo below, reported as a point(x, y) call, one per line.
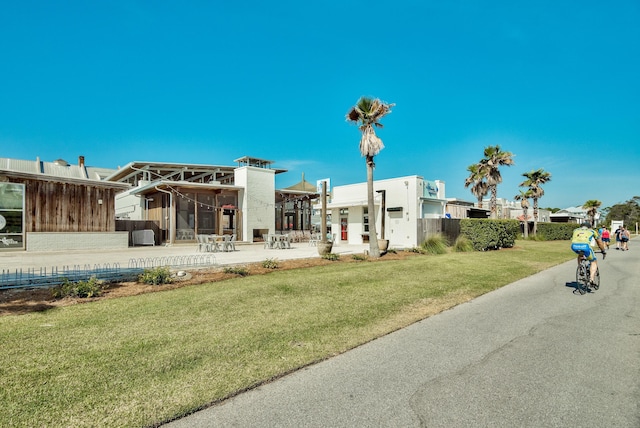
point(581, 245)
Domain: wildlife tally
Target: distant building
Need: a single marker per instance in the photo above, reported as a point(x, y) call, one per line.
point(569, 215)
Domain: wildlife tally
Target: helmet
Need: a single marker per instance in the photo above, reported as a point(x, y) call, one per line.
point(585, 224)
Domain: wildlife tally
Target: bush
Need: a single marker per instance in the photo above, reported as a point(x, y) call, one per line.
point(490, 234)
point(556, 231)
point(82, 289)
point(270, 264)
point(435, 244)
point(155, 276)
point(462, 244)
point(359, 257)
point(236, 270)
point(331, 256)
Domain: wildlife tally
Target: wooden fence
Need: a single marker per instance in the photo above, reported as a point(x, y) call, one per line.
point(447, 227)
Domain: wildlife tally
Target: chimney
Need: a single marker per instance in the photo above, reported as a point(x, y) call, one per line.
point(83, 170)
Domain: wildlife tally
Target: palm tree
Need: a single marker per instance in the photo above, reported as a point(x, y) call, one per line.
point(493, 159)
point(592, 206)
point(534, 181)
point(366, 114)
point(523, 197)
point(476, 179)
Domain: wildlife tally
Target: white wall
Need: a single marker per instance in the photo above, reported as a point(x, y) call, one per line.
point(400, 226)
point(257, 201)
point(129, 206)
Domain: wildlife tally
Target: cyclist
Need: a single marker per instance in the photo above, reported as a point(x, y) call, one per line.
point(580, 244)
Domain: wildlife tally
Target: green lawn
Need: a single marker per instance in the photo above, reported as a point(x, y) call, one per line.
point(141, 360)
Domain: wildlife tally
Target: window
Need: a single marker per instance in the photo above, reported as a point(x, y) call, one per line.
point(365, 219)
point(11, 215)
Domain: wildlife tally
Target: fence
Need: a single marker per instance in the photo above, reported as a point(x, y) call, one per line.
point(447, 227)
point(43, 277)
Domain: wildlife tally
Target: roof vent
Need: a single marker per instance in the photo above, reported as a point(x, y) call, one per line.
point(61, 162)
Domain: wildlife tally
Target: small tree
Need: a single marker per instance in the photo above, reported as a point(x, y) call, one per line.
point(523, 197)
point(535, 180)
point(366, 114)
point(592, 206)
point(489, 166)
point(476, 179)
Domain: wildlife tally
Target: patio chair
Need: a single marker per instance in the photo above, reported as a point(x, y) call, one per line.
point(268, 242)
point(203, 243)
point(229, 243)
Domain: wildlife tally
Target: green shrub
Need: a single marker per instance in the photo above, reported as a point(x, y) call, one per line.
point(236, 270)
point(155, 276)
point(556, 231)
point(462, 244)
point(93, 287)
point(331, 256)
point(490, 234)
point(435, 244)
point(359, 257)
point(270, 264)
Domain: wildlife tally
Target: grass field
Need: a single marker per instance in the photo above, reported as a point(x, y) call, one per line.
point(141, 360)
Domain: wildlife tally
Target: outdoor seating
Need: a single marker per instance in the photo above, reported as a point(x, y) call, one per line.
point(228, 243)
point(284, 241)
point(214, 242)
point(203, 243)
point(314, 239)
point(268, 241)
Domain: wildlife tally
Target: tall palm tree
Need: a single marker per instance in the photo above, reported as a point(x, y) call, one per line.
point(476, 179)
point(592, 206)
point(534, 181)
point(523, 197)
point(367, 113)
point(493, 159)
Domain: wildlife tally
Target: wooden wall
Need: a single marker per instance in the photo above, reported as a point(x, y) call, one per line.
point(68, 207)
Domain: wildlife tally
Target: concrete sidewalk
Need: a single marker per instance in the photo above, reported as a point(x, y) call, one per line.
point(245, 253)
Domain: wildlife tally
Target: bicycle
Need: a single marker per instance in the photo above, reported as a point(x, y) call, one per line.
point(583, 274)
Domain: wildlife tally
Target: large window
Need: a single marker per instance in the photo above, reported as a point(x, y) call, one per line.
point(11, 216)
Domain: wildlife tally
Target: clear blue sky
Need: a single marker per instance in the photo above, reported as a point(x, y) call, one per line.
point(555, 83)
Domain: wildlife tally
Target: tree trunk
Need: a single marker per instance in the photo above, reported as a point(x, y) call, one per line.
point(493, 205)
point(526, 223)
point(535, 216)
point(374, 250)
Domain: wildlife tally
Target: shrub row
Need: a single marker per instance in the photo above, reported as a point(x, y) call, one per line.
point(556, 231)
point(490, 234)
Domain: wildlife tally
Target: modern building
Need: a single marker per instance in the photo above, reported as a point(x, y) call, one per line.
point(186, 200)
point(401, 206)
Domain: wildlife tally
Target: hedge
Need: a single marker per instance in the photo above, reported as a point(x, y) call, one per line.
point(556, 231)
point(487, 234)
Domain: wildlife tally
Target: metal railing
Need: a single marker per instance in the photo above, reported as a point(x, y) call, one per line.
point(44, 277)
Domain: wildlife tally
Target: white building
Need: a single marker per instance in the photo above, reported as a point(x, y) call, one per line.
point(185, 200)
point(401, 205)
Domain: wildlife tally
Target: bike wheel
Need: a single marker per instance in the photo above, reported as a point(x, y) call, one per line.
point(596, 280)
point(582, 279)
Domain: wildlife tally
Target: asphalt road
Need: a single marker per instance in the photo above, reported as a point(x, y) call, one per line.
point(532, 354)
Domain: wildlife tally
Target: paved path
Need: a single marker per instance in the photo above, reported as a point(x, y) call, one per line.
point(532, 354)
point(245, 253)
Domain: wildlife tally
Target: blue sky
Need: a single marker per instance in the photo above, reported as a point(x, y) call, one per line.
point(555, 83)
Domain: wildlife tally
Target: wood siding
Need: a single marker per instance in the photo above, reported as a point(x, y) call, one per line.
point(68, 207)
